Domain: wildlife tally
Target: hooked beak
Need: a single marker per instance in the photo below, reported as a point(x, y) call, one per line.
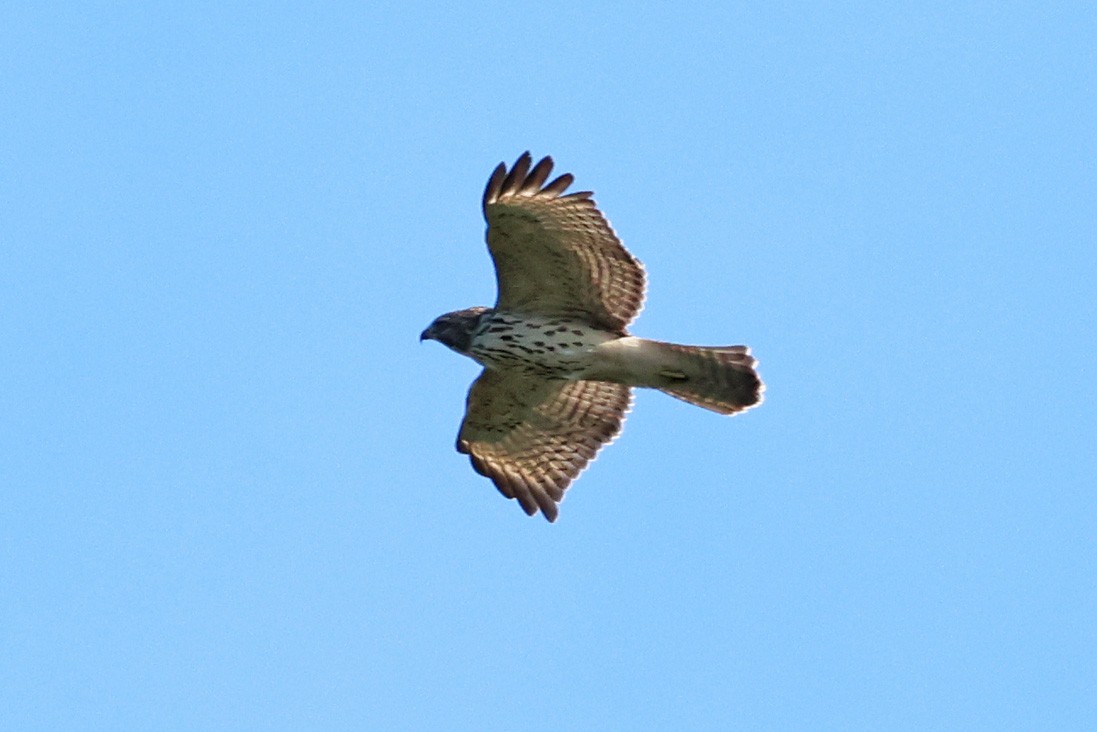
point(427, 334)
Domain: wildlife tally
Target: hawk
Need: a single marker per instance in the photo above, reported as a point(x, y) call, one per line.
point(559, 363)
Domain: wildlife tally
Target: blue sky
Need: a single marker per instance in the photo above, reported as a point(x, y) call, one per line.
point(230, 495)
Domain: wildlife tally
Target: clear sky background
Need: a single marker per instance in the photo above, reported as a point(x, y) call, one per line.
point(229, 496)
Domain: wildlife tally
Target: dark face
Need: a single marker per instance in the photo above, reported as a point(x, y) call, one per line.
point(454, 329)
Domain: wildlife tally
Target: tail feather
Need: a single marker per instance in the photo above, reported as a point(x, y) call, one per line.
point(722, 379)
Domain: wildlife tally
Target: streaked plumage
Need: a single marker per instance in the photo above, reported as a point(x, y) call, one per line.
point(558, 361)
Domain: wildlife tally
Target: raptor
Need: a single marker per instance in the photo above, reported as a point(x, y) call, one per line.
point(559, 362)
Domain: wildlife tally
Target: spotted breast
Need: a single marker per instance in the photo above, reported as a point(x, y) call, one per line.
point(555, 348)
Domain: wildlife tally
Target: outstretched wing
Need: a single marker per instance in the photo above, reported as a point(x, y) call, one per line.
point(532, 436)
point(556, 254)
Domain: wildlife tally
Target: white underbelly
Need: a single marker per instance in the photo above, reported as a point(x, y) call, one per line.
point(552, 347)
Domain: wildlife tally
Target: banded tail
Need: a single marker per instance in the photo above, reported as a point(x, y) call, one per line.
point(719, 378)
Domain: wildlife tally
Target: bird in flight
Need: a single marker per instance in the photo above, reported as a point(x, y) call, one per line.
point(559, 363)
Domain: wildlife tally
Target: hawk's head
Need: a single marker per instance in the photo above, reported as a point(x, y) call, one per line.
point(455, 329)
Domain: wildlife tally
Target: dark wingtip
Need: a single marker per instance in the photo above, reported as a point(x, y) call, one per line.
point(559, 185)
point(521, 179)
point(513, 182)
point(495, 182)
point(536, 178)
